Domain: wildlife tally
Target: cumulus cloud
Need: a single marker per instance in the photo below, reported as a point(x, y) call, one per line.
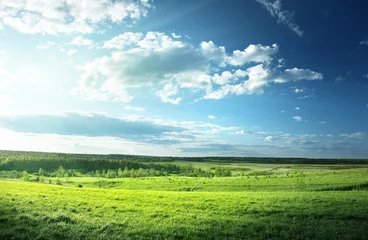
point(167, 93)
point(157, 59)
point(69, 16)
point(253, 53)
point(211, 117)
point(260, 76)
point(297, 118)
point(297, 108)
point(283, 16)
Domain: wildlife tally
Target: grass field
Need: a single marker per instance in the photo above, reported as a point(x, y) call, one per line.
point(321, 204)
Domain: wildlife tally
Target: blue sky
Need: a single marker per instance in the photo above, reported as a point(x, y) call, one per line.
point(275, 78)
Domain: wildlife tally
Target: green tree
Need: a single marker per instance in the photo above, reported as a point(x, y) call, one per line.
point(41, 172)
point(120, 173)
point(25, 176)
point(60, 172)
point(140, 172)
point(126, 173)
point(132, 173)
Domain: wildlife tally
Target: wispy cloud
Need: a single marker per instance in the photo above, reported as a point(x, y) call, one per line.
point(269, 138)
point(284, 17)
point(211, 117)
point(343, 78)
point(297, 91)
point(132, 128)
point(45, 46)
point(81, 41)
point(84, 124)
point(357, 135)
point(137, 109)
point(364, 42)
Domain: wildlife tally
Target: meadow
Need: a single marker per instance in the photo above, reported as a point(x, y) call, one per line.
point(265, 201)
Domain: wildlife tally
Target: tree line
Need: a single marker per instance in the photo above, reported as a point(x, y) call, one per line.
point(21, 155)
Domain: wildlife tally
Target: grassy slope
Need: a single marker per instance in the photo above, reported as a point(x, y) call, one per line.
point(43, 211)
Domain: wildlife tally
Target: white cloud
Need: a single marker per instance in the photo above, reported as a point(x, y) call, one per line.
point(211, 117)
point(69, 16)
point(71, 52)
point(241, 132)
point(260, 76)
point(297, 118)
point(357, 135)
point(141, 130)
point(296, 74)
point(175, 36)
point(297, 91)
point(123, 40)
point(81, 41)
point(45, 46)
point(136, 109)
point(194, 80)
point(223, 78)
point(154, 58)
point(283, 16)
point(269, 138)
point(213, 53)
point(297, 108)
point(257, 78)
point(253, 53)
point(167, 93)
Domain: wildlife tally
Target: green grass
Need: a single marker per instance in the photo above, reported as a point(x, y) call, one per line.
point(275, 207)
point(312, 181)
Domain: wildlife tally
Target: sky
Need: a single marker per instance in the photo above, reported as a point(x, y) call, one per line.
point(254, 78)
